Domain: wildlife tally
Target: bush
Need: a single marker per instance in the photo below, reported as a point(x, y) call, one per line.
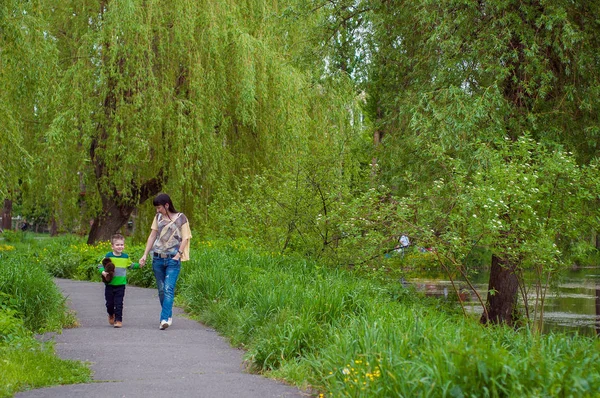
point(11, 236)
point(35, 297)
point(70, 257)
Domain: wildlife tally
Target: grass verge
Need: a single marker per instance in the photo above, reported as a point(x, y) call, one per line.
point(31, 303)
point(350, 337)
point(345, 336)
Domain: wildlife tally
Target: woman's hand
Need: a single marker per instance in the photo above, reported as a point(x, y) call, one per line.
point(142, 260)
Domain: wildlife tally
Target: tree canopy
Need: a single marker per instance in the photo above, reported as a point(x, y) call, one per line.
point(322, 127)
point(149, 96)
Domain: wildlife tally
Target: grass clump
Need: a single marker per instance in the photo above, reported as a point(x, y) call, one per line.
point(351, 337)
point(33, 294)
point(31, 303)
point(27, 364)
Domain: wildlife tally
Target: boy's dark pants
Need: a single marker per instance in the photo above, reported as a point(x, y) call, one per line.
point(114, 301)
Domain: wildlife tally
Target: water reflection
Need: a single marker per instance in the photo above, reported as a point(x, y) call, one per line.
point(573, 305)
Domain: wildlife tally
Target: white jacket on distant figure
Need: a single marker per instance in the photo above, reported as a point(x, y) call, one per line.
point(404, 242)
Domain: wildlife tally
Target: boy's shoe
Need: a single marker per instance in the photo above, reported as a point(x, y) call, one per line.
point(163, 325)
point(111, 319)
point(170, 321)
point(118, 324)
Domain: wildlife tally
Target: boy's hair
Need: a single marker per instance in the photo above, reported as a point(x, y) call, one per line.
point(116, 237)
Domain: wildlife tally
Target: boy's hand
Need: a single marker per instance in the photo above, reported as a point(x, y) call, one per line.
point(104, 273)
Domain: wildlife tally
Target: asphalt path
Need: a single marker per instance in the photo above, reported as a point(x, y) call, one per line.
point(186, 360)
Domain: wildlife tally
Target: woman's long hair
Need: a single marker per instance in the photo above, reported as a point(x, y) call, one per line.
point(162, 199)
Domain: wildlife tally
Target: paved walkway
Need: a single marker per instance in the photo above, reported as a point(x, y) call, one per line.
point(139, 360)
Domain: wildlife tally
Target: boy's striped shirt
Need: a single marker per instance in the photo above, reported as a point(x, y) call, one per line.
point(122, 264)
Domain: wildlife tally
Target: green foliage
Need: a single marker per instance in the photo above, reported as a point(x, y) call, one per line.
point(69, 257)
point(33, 294)
point(371, 358)
point(11, 236)
point(293, 209)
point(202, 92)
point(523, 201)
point(445, 83)
point(31, 303)
point(26, 72)
point(11, 326)
point(367, 228)
point(346, 336)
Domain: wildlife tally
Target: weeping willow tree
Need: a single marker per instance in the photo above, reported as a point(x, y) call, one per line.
point(27, 60)
point(287, 203)
point(180, 96)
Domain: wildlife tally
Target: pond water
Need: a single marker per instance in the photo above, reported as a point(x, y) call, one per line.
point(573, 305)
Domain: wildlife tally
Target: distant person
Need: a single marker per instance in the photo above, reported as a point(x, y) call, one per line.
point(114, 274)
point(404, 243)
point(169, 242)
point(24, 226)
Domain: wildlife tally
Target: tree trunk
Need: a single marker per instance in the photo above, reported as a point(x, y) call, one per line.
point(598, 310)
point(116, 210)
point(377, 137)
point(112, 218)
point(53, 227)
point(502, 293)
point(7, 214)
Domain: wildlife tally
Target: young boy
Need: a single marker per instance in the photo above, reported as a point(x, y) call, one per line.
point(114, 291)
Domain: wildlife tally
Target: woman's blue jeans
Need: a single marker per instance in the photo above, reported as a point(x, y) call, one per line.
point(166, 272)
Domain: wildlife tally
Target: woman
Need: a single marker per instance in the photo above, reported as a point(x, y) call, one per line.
point(169, 242)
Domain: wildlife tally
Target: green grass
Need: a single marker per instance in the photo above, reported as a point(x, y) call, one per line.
point(350, 337)
point(346, 336)
point(31, 303)
point(34, 366)
point(34, 295)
